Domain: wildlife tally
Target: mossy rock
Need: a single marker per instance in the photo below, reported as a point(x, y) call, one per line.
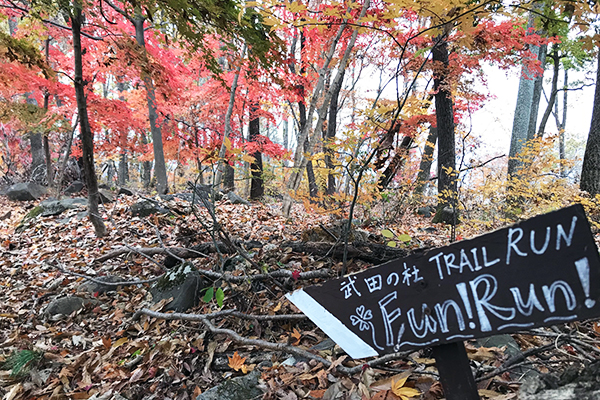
point(31, 215)
point(184, 284)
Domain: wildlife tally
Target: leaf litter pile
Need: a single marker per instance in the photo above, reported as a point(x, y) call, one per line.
point(119, 343)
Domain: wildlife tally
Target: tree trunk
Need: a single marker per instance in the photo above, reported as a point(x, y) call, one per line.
point(257, 186)
point(394, 165)
point(553, 93)
point(537, 94)
point(47, 155)
point(561, 127)
point(87, 139)
point(285, 133)
point(228, 177)
point(123, 171)
point(299, 160)
point(426, 161)
point(146, 166)
point(444, 114)
point(35, 141)
point(221, 163)
point(160, 168)
point(523, 109)
point(329, 135)
point(590, 172)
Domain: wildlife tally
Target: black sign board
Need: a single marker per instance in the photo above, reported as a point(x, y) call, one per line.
point(540, 272)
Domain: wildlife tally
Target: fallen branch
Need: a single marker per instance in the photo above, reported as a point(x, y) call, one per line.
point(515, 362)
point(281, 273)
point(199, 250)
point(374, 253)
point(101, 282)
point(205, 320)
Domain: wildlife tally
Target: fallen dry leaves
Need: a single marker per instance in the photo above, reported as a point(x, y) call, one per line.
point(101, 349)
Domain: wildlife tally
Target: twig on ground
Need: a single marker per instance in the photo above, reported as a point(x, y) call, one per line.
point(515, 361)
point(205, 319)
point(101, 282)
point(162, 245)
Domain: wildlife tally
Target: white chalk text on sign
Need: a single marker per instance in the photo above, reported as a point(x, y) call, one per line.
point(543, 271)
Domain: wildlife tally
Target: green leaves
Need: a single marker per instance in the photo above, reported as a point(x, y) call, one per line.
point(218, 295)
point(388, 234)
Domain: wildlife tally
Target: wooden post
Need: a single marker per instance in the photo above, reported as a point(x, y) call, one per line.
point(455, 372)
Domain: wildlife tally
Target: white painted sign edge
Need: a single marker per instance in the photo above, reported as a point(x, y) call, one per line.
point(333, 327)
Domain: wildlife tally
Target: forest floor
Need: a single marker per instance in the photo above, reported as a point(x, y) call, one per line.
point(102, 349)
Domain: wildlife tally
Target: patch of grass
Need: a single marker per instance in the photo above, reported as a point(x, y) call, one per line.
point(19, 362)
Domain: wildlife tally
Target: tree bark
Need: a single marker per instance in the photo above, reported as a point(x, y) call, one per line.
point(523, 109)
point(299, 160)
point(47, 155)
point(561, 124)
point(444, 114)
point(394, 165)
point(310, 173)
point(426, 161)
point(87, 139)
point(228, 177)
point(160, 168)
point(329, 135)
point(227, 129)
point(590, 172)
point(123, 171)
point(257, 186)
point(537, 94)
point(553, 93)
point(35, 141)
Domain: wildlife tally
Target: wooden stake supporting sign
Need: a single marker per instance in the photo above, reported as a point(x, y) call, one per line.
point(540, 272)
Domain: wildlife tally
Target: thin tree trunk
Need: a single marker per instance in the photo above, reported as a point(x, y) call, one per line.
point(49, 169)
point(537, 94)
point(590, 172)
point(523, 108)
point(123, 170)
point(228, 178)
point(426, 161)
point(227, 128)
point(329, 135)
point(47, 155)
point(160, 168)
point(553, 93)
point(299, 160)
point(394, 165)
point(257, 186)
point(444, 113)
point(35, 141)
point(63, 166)
point(87, 139)
point(561, 127)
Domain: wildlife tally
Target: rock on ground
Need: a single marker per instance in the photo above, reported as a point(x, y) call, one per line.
point(65, 306)
point(25, 191)
point(240, 388)
point(106, 196)
point(184, 284)
point(235, 199)
point(93, 287)
point(56, 207)
point(572, 384)
point(74, 187)
point(146, 208)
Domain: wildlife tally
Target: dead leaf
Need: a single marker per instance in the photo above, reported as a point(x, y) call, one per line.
point(402, 391)
point(296, 336)
point(120, 342)
point(210, 349)
point(237, 363)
